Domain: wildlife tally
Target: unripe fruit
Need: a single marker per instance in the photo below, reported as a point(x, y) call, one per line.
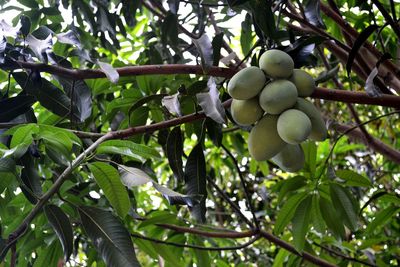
point(304, 82)
point(246, 112)
point(278, 96)
point(293, 126)
point(246, 83)
point(276, 64)
point(318, 128)
point(290, 159)
point(264, 141)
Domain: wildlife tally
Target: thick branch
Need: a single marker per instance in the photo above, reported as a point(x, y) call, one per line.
point(322, 93)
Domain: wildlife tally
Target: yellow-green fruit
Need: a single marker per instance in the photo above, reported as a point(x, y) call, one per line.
point(276, 64)
point(247, 83)
point(278, 96)
point(305, 84)
point(264, 141)
point(290, 159)
point(293, 126)
point(318, 128)
point(246, 112)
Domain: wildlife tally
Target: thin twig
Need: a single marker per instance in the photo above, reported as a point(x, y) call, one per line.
point(158, 241)
point(343, 255)
point(243, 182)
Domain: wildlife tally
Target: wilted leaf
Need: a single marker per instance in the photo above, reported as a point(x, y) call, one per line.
point(370, 87)
point(9, 30)
point(131, 177)
point(172, 104)
point(69, 37)
point(312, 12)
point(62, 226)
point(109, 236)
point(109, 71)
point(211, 104)
point(205, 49)
point(39, 47)
point(216, 45)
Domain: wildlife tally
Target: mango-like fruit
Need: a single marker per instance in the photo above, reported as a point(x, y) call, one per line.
point(276, 64)
point(278, 96)
point(290, 159)
point(293, 126)
point(304, 82)
point(246, 112)
point(246, 83)
point(318, 127)
point(264, 141)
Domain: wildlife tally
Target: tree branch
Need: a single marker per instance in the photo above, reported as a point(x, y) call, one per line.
point(322, 93)
point(158, 241)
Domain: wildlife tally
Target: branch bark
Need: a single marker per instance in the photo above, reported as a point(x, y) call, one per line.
point(322, 93)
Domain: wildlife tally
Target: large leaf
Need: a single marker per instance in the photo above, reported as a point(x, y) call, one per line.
point(169, 30)
point(7, 165)
point(109, 236)
point(175, 152)
point(81, 97)
point(31, 185)
point(210, 102)
point(12, 107)
point(301, 220)
point(353, 179)
point(109, 71)
point(344, 204)
point(287, 211)
point(62, 226)
point(123, 147)
point(263, 19)
point(331, 218)
point(381, 218)
point(23, 135)
point(107, 177)
point(289, 185)
point(362, 38)
point(195, 180)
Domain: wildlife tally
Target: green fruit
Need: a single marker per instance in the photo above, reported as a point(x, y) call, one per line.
point(293, 126)
point(246, 83)
point(264, 141)
point(278, 96)
point(318, 128)
point(305, 84)
point(276, 64)
point(246, 112)
point(290, 159)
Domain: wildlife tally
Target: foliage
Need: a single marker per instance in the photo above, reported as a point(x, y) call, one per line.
point(122, 167)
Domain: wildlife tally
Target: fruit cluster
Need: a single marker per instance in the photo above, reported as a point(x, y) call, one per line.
point(272, 98)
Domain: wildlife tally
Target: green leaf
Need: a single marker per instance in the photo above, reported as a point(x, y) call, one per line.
point(23, 135)
point(287, 211)
point(353, 179)
point(246, 34)
point(49, 255)
point(291, 184)
point(361, 39)
point(107, 177)
point(12, 107)
point(175, 152)
point(300, 223)
point(195, 180)
point(109, 236)
point(310, 153)
point(159, 217)
point(316, 215)
point(169, 30)
point(331, 218)
point(344, 204)
point(7, 165)
point(128, 148)
point(216, 45)
point(62, 226)
point(280, 258)
point(381, 218)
